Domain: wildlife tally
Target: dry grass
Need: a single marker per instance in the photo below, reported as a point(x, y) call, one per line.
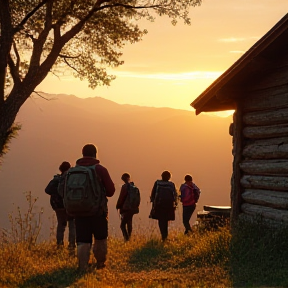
point(194, 261)
point(254, 257)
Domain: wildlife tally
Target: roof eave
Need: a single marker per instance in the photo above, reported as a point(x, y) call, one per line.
point(200, 102)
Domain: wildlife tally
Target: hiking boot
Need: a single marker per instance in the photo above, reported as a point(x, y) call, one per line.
point(188, 232)
point(71, 251)
point(100, 250)
point(83, 254)
point(100, 265)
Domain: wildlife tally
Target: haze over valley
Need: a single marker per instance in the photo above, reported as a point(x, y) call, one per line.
point(143, 141)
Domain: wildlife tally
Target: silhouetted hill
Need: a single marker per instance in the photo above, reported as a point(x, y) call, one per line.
point(141, 140)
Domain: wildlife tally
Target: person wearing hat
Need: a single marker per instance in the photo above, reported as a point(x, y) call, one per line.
point(57, 205)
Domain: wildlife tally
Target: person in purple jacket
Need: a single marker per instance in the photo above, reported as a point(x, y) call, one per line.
point(96, 225)
point(189, 197)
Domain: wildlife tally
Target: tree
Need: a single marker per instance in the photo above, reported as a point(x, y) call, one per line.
point(47, 36)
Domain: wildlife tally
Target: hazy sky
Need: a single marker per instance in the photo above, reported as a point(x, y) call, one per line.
point(172, 65)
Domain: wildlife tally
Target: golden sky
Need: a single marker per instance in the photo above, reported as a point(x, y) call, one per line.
point(172, 65)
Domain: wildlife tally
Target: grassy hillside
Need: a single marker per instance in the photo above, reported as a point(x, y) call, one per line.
point(198, 261)
point(209, 259)
point(255, 256)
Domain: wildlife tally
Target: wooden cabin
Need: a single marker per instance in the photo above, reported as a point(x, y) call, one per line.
point(256, 87)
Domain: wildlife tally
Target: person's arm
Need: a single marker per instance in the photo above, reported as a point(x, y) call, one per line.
point(106, 180)
point(153, 193)
point(181, 196)
point(175, 195)
point(196, 187)
point(52, 187)
point(122, 197)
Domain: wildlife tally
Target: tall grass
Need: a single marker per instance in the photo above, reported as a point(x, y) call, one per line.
point(194, 261)
point(24, 227)
point(254, 256)
point(259, 255)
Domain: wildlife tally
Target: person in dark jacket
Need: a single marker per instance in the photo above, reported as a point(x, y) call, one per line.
point(95, 226)
point(164, 202)
point(126, 215)
point(189, 197)
point(56, 202)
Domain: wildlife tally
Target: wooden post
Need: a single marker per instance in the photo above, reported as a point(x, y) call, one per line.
point(236, 189)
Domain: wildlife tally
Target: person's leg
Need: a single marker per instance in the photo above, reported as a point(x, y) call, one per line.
point(129, 224)
point(83, 255)
point(100, 252)
point(163, 226)
point(72, 233)
point(61, 225)
point(123, 224)
point(84, 240)
point(187, 213)
point(100, 231)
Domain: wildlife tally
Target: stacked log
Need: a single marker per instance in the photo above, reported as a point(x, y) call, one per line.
point(264, 154)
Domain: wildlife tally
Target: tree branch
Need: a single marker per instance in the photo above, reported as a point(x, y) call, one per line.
point(39, 43)
point(65, 60)
point(14, 68)
point(38, 93)
point(5, 43)
point(30, 14)
point(97, 7)
point(67, 56)
point(62, 17)
point(17, 57)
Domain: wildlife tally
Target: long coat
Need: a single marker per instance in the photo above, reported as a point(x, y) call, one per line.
point(167, 212)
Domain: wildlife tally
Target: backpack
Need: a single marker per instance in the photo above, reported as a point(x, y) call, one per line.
point(83, 193)
point(61, 184)
point(196, 193)
point(164, 196)
point(56, 200)
point(132, 200)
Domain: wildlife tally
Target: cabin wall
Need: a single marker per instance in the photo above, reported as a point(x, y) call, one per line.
point(260, 168)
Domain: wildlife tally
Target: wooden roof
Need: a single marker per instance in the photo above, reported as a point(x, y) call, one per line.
point(221, 94)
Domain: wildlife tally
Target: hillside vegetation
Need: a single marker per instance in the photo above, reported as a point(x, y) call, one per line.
point(196, 261)
point(255, 256)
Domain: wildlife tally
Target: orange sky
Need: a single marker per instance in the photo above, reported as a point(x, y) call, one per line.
point(171, 66)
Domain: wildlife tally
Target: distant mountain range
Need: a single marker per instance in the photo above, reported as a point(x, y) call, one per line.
point(143, 141)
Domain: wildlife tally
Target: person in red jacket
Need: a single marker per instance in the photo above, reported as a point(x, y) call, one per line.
point(189, 197)
point(96, 225)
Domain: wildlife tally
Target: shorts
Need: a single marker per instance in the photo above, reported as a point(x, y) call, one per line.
point(89, 226)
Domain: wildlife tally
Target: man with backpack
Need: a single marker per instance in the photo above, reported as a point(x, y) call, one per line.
point(164, 202)
point(87, 187)
point(128, 204)
point(57, 205)
point(189, 197)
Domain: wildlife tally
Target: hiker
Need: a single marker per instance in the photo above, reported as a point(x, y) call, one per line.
point(128, 204)
point(95, 223)
point(56, 202)
point(189, 195)
point(164, 202)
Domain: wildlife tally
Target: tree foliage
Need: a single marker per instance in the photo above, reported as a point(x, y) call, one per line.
point(48, 36)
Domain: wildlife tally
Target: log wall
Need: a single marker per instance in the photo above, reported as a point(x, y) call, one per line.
point(264, 153)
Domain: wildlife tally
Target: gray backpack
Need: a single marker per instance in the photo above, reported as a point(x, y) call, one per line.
point(133, 199)
point(83, 193)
